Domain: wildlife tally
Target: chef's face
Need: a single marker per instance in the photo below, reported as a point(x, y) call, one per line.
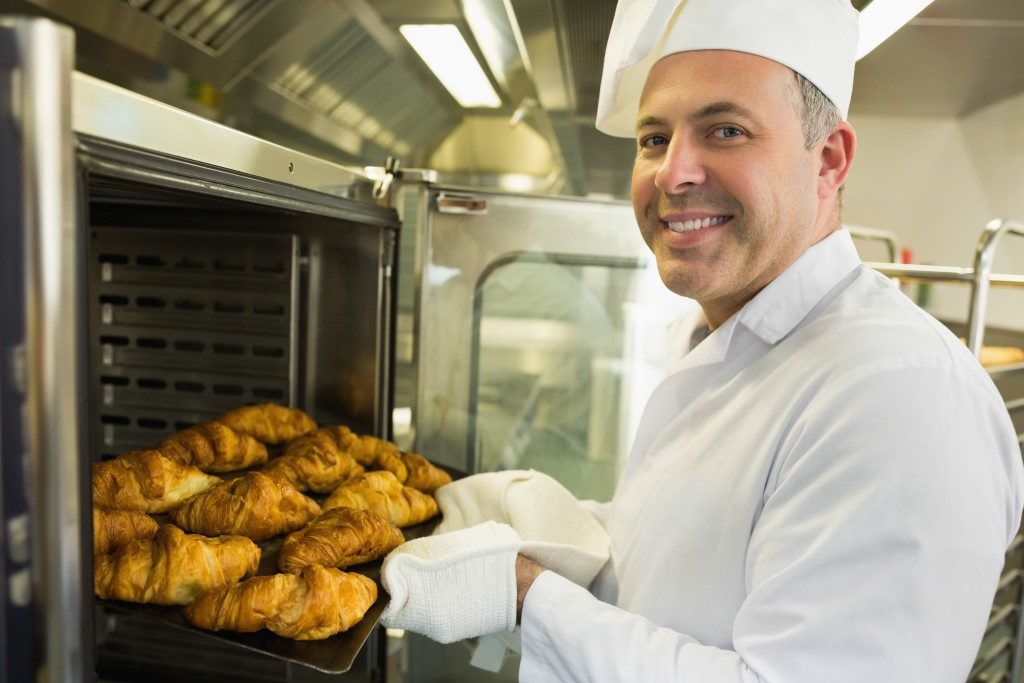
point(724, 190)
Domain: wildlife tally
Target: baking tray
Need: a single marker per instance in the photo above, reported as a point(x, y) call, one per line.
point(334, 655)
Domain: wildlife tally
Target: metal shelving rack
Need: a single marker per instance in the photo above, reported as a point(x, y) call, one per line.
point(1002, 649)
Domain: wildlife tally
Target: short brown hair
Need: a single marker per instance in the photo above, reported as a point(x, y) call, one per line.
point(818, 115)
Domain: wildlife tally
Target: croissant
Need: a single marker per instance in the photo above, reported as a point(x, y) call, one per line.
point(269, 422)
point(423, 475)
point(318, 461)
point(368, 449)
point(145, 481)
point(382, 493)
point(111, 529)
point(255, 505)
point(339, 538)
point(213, 447)
point(174, 568)
point(391, 461)
point(312, 605)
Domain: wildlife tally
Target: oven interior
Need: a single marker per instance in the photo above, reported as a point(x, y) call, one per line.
point(196, 302)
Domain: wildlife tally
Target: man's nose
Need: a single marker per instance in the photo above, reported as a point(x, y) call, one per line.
point(681, 167)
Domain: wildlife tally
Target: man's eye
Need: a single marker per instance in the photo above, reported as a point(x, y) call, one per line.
point(727, 132)
point(653, 141)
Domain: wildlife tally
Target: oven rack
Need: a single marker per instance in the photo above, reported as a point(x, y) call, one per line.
point(1001, 656)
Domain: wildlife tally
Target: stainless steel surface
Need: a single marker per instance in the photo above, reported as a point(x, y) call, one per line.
point(335, 78)
point(110, 113)
point(984, 255)
point(185, 325)
point(43, 105)
point(499, 294)
point(952, 274)
point(887, 237)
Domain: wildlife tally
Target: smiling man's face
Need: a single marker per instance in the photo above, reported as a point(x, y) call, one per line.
point(725, 193)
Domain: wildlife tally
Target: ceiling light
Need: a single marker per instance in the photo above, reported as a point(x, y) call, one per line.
point(445, 51)
point(882, 18)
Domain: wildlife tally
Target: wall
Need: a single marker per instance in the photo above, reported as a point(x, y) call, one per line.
point(936, 182)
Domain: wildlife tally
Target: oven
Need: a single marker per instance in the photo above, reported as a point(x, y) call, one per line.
point(158, 269)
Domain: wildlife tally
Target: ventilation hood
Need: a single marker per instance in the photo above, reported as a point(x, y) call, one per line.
point(335, 77)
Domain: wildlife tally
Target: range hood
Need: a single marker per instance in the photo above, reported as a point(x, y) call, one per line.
point(335, 77)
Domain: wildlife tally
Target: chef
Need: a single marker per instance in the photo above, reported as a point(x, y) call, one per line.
point(823, 487)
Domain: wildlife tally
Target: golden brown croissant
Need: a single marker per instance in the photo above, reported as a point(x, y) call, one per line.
point(214, 447)
point(174, 568)
point(340, 537)
point(145, 481)
point(318, 461)
point(368, 449)
point(382, 493)
point(312, 605)
point(391, 461)
point(255, 505)
point(269, 422)
point(111, 529)
point(424, 476)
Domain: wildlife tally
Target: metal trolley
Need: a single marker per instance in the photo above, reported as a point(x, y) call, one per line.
point(1001, 657)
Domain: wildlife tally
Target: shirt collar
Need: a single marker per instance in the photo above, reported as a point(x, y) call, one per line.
point(779, 307)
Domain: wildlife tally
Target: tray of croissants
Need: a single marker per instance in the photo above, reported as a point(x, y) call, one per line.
point(261, 528)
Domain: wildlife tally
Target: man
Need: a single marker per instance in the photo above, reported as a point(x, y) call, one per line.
point(824, 486)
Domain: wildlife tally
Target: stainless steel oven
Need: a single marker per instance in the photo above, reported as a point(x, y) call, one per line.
point(157, 269)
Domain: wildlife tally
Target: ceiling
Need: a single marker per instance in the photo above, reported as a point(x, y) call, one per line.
point(335, 77)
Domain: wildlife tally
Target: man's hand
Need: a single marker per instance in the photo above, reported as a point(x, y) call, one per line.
point(526, 571)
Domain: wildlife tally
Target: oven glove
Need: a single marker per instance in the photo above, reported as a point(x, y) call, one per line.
point(557, 531)
point(453, 586)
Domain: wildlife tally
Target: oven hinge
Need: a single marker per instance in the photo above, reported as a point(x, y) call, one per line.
point(382, 187)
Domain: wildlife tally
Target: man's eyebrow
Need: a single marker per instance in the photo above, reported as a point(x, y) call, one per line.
point(718, 109)
point(649, 121)
point(724, 107)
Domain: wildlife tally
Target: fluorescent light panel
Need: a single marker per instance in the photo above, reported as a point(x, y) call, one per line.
point(445, 51)
point(882, 18)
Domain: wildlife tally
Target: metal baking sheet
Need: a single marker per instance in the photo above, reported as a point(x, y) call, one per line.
point(332, 655)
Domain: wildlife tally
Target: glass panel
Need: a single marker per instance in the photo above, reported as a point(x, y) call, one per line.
point(549, 342)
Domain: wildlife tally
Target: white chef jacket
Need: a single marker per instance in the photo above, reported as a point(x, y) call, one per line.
point(821, 490)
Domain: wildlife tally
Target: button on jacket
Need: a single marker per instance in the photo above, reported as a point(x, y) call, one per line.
point(821, 490)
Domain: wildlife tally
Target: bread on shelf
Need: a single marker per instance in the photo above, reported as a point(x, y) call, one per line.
point(214, 447)
point(146, 481)
point(112, 529)
point(381, 492)
point(173, 568)
point(318, 461)
point(312, 605)
point(253, 505)
point(340, 537)
point(269, 423)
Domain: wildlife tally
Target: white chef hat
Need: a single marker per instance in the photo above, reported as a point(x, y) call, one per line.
point(815, 38)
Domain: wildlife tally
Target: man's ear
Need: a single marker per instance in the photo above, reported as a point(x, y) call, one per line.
point(837, 151)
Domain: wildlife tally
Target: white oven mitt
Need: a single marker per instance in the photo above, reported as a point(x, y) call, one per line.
point(557, 531)
point(461, 582)
point(453, 586)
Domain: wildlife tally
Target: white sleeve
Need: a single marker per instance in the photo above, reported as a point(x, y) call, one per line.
point(875, 557)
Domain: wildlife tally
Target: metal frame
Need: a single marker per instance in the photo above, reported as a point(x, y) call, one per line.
point(980, 277)
point(41, 95)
